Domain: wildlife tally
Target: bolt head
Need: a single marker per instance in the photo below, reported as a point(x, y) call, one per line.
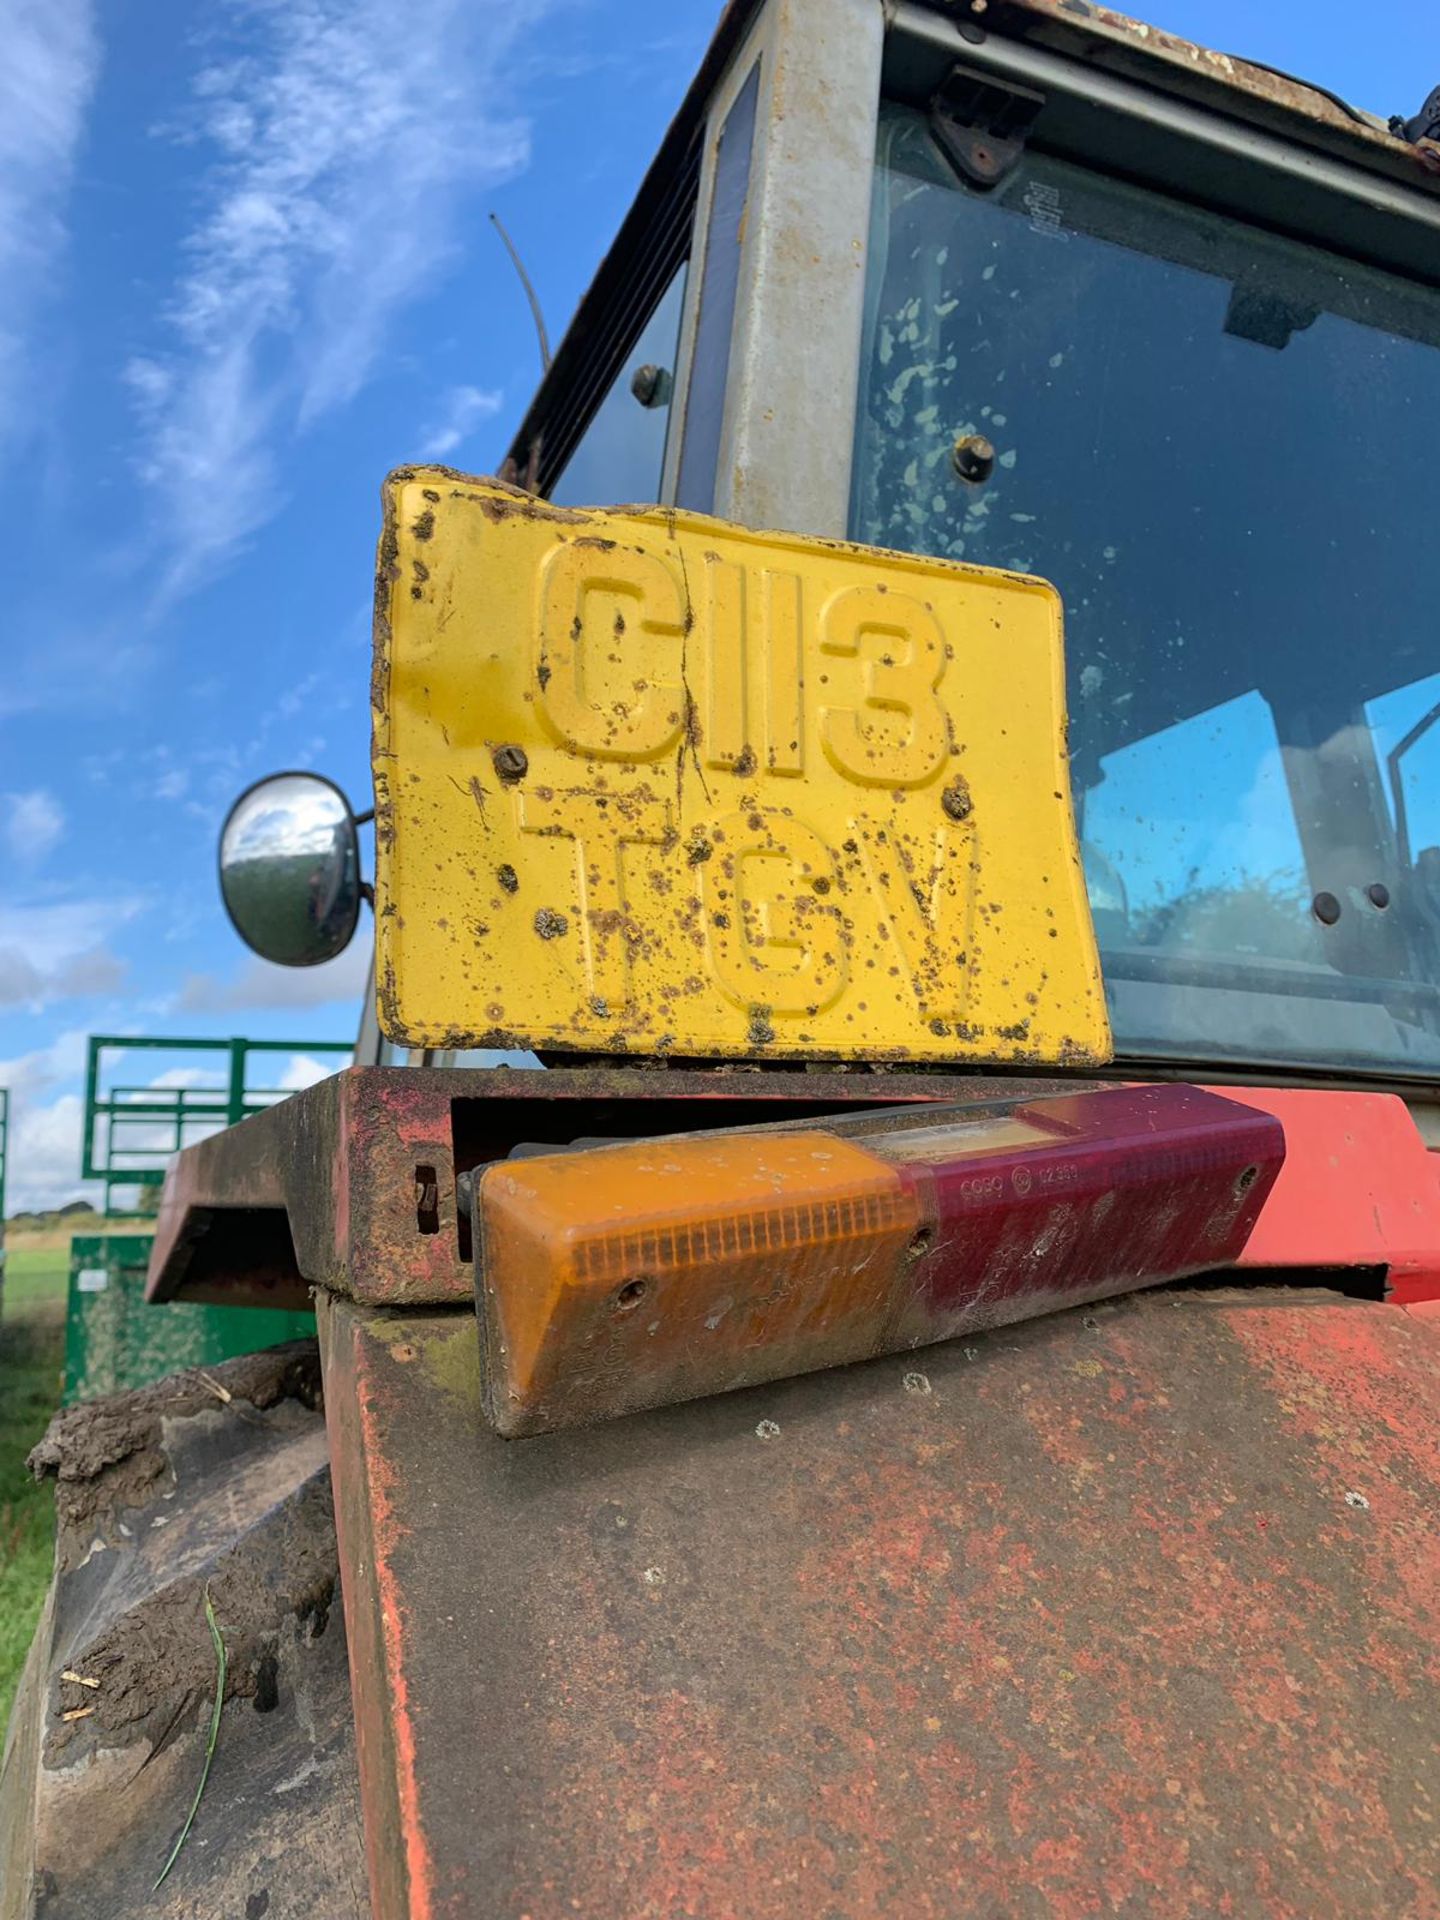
point(651, 385)
point(1326, 909)
point(973, 457)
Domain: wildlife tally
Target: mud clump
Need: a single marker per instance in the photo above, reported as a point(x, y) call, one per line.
point(106, 1454)
point(212, 1481)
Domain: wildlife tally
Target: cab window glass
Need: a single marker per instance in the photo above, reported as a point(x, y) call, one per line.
point(1220, 446)
point(621, 456)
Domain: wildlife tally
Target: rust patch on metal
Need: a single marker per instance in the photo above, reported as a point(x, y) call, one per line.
point(511, 763)
point(1182, 66)
point(375, 1619)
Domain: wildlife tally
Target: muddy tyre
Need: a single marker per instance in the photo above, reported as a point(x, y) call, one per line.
point(217, 1480)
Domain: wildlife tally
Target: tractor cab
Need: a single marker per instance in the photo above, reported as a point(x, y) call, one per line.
point(1030, 286)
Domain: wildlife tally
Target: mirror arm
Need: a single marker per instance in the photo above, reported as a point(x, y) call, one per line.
point(364, 819)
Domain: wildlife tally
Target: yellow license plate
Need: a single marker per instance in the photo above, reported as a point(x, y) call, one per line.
point(649, 782)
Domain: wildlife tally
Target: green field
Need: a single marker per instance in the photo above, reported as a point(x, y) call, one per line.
point(32, 1343)
point(35, 1276)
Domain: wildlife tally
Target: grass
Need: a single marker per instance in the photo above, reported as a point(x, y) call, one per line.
point(54, 1236)
point(220, 1665)
point(32, 1351)
point(35, 1276)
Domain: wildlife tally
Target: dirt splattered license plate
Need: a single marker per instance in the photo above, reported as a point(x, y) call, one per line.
point(649, 782)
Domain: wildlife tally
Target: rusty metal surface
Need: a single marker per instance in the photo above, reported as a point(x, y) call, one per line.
point(1130, 1611)
point(162, 1495)
point(324, 1190)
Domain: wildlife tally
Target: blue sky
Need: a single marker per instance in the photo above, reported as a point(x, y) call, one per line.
point(245, 268)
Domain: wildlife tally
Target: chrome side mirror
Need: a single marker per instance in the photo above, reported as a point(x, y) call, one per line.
point(290, 869)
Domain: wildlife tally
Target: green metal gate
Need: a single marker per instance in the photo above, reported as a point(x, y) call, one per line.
point(133, 1129)
point(114, 1340)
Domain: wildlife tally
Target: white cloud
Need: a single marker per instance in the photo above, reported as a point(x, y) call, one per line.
point(33, 824)
point(29, 1074)
point(49, 58)
point(24, 984)
point(304, 1070)
point(259, 985)
point(462, 411)
point(188, 1077)
point(43, 1149)
point(50, 953)
point(149, 381)
point(343, 146)
point(43, 1156)
point(292, 700)
point(173, 785)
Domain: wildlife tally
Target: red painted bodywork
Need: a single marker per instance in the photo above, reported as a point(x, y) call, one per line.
point(1359, 1188)
point(1134, 1610)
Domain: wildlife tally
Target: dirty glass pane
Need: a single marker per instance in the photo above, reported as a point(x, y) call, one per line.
point(622, 454)
point(710, 363)
point(1220, 445)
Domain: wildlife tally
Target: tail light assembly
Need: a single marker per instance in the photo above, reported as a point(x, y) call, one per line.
point(617, 1278)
